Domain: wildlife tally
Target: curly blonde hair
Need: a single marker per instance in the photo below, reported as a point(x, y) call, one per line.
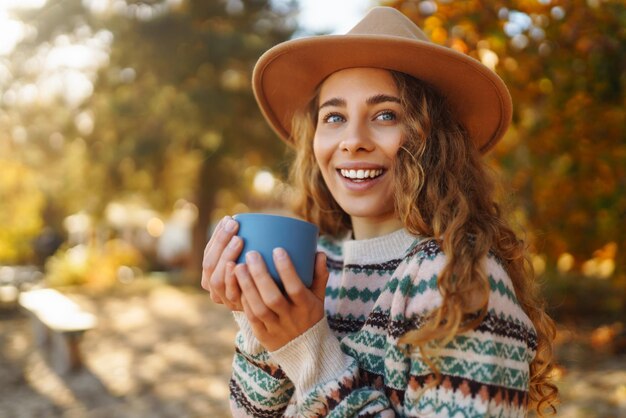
point(454, 200)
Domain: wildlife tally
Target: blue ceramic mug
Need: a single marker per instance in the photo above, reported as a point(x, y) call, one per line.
point(262, 233)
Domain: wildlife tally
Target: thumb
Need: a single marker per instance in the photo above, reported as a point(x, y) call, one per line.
point(320, 277)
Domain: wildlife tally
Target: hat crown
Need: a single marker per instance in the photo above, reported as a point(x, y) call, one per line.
point(390, 22)
point(287, 76)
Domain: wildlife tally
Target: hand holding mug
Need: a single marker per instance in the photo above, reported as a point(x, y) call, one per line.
point(281, 278)
point(277, 317)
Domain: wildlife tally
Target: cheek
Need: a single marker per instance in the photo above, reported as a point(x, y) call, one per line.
point(316, 150)
point(323, 157)
point(319, 161)
point(394, 149)
point(320, 154)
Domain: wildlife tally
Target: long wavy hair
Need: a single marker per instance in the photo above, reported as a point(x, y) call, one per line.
point(444, 191)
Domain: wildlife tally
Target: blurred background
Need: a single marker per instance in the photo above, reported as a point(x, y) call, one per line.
point(128, 129)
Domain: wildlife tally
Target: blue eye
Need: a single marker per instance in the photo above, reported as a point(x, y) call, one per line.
point(386, 116)
point(333, 118)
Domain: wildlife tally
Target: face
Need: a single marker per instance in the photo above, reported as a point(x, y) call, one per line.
point(359, 132)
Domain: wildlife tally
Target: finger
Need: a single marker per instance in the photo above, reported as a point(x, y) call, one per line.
point(291, 281)
point(216, 294)
point(258, 308)
point(254, 321)
point(233, 294)
point(265, 284)
point(216, 298)
point(218, 228)
point(230, 254)
point(216, 248)
point(320, 276)
point(204, 282)
point(218, 242)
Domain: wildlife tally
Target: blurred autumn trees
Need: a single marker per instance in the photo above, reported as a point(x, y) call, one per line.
point(171, 116)
point(565, 155)
point(185, 124)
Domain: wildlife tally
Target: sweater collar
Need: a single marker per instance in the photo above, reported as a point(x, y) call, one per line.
point(378, 250)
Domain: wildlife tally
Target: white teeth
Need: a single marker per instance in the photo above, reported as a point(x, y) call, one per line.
point(361, 174)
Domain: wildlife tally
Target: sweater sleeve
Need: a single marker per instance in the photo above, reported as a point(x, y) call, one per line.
point(483, 372)
point(326, 379)
point(258, 386)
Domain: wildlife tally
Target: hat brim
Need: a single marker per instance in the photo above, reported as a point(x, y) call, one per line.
point(286, 76)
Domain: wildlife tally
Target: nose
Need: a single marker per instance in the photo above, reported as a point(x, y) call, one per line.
point(357, 137)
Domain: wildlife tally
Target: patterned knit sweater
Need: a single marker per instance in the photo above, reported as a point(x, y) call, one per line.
point(351, 364)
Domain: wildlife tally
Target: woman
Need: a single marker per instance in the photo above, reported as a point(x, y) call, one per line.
point(422, 302)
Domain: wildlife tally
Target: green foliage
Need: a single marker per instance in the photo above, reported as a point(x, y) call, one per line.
point(172, 115)
point(573, 294)
point(96, 267)
point(186, 121)
point(189, 98)
point(20, 211)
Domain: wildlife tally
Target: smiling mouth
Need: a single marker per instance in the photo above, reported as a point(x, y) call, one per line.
point(360, 176)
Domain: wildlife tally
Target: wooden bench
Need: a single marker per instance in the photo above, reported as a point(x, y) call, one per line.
point(58, 325)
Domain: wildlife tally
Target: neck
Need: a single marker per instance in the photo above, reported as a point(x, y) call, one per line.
point(366, 228)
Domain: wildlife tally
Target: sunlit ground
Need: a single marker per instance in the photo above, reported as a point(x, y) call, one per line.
point(163, 351)
point(591, 374)
point(157, 352)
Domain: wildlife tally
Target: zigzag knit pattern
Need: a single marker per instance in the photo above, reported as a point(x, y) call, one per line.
point(351, 363)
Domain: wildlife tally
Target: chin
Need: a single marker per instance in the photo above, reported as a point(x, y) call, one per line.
point(360, 212)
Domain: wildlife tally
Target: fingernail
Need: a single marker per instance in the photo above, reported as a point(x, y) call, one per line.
point(252, 257)
point(234, 241)
point(279, 253)
point(230, 225)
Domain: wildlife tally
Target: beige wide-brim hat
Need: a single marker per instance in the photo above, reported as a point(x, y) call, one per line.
point(286, 76)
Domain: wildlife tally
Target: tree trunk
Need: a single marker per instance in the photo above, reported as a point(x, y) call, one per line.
point(207, 187)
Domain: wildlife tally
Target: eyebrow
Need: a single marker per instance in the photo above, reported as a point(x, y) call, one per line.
point(376, 99)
